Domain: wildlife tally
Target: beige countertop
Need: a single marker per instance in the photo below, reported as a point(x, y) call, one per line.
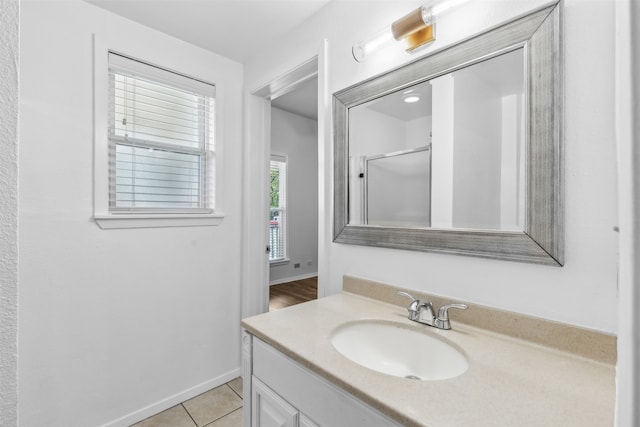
point(510, 382)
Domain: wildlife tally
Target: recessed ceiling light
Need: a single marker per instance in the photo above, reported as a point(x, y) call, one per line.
point(410, 98)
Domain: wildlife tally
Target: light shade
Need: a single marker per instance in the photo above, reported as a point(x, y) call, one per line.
point(415, 29)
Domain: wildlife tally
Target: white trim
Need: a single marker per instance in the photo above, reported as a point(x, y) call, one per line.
point(255, 271)
point(325, 171)
point(293, 279)
point(135, 66)
point(627, 94)
point(114, 221)
point(101, 214)
point(247, 368)
point(283, 208)
point(279, 262)
point(170, 401)
point(257, 147)
point(279, 157)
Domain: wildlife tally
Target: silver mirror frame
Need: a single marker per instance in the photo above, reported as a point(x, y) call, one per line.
point(542, 241)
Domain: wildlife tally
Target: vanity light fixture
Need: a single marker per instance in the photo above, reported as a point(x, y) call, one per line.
point(414, 30)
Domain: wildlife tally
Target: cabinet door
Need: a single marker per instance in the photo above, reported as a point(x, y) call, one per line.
point(306, 421)
point(269, 409)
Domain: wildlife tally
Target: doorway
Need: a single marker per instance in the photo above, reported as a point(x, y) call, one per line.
point(256, 271)
point(293, 196)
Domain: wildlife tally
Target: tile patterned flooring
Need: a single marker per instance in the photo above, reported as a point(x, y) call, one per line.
point(222, 406)
point(218, 407)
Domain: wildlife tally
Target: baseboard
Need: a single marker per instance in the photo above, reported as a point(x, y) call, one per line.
point(170, 401)
point(291, 279)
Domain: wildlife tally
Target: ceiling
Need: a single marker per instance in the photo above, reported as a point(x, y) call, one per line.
point(236, 29)
point(504, 74)
point(302, 101)
point(393, 105)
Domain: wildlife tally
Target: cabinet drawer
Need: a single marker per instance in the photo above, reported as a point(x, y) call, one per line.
point(324, 403)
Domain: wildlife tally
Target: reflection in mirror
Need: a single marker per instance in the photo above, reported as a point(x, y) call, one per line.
point(446, 153)
point(393, 189)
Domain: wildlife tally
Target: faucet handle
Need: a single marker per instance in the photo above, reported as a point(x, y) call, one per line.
point(442, 321)
point(413, 306)
point(405, 294)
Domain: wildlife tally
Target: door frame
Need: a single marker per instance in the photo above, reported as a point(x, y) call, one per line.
point(257, 150)
point(627, 105)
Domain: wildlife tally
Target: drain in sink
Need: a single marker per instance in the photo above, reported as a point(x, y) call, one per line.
point(412, 377)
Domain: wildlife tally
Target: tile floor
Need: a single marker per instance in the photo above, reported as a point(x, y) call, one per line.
point(218, 407)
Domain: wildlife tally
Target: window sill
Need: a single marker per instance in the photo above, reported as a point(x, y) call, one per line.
point(279, 262)
point(115, 221)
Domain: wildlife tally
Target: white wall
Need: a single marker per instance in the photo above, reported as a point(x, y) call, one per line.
point(583, 292)
point(512, 163)
point(375, 133)
point(398, 190)
point(9, 69)
point(418, 132)
point(442, 149)
point(114, 324)
point(476, 152)
point(297, 137)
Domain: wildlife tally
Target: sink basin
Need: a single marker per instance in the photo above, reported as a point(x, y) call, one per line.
point(394, 349)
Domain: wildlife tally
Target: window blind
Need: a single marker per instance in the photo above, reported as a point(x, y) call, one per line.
point(278, 212)
point(161, 145)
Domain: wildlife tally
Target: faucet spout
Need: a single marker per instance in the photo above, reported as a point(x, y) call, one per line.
point(419, 311)
point(426, 313)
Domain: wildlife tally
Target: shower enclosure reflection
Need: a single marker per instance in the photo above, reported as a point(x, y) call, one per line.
point(446, 153)
point(394, 189)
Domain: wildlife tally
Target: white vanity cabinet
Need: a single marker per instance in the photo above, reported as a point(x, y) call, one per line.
point(279, 391)
point(270, 410)
point(306, 422)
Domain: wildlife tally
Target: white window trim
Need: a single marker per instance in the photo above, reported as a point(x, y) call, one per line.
point(285, 159)
point(113, 220)
point(280, 261)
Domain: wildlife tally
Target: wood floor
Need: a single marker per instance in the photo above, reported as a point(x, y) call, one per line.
point(292, 293)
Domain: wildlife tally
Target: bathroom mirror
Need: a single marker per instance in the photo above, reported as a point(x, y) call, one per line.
point(472, 121)
point(459, 151)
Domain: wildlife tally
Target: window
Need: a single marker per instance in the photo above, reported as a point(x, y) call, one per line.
point(161, 141)
point(278, 212)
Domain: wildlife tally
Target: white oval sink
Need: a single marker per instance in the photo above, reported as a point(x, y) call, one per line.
point(396, 350)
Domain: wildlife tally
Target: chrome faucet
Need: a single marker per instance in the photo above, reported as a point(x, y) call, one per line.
point(417, 308)
point(422, 312)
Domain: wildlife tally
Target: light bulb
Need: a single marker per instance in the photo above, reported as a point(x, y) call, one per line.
point(365, 47)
